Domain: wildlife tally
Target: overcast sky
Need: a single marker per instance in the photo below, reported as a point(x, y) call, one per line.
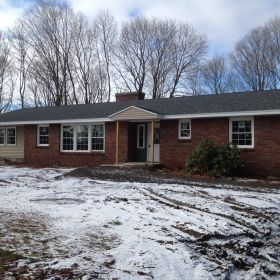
point(224, 21)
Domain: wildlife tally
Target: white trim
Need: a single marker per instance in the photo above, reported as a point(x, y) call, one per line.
point(133, 107)
point(75, 125)
point(144, 136)
point(38, 135)
point(179, 129)
point(252, 131)
point(222, 114)
point(70, 121)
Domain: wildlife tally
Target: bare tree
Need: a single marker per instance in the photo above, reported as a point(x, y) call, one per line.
point(106, 36)
point(217, 77)
point(253, 61)
point(23, 56)
point(47, 29)
point(132, 54)
point(7, 82)
point(272, 28)
point(188, 50)
point(83, 53)
point(161, 41)
point(156, 54)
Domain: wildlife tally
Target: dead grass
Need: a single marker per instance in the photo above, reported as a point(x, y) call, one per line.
point(7, 258)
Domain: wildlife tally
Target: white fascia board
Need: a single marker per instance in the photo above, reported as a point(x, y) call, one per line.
point(222, 114)
point(57, 121)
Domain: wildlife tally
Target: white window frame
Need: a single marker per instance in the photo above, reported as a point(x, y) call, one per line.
point(144, 136)
point(252, 131)
point(6, 136)
point(38, 135)
point(179, 129)
point(2, 127)
point(89, 150)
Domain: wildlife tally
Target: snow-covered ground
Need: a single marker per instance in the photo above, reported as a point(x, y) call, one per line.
point(110, 230)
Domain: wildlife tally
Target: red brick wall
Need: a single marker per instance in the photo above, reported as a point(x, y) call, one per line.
point(129, 96)
point(45, 156)
point(263, 160)
point(174, 152)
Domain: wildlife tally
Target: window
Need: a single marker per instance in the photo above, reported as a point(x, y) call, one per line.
point(82, 138)
point(2, 136)
point(11, 136)
point(43, 135)
point(141, 136)
point(242, 132)
point(68, 138)
point(97, 140)
point(184, 129)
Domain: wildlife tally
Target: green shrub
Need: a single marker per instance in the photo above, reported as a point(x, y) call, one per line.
point(212, 159)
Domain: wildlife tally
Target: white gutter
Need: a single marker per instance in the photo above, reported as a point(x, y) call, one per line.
point(222, 114)
point(57, 121)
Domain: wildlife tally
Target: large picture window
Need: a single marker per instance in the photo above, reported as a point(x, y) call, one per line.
point(83, 137)
point(43, 135)
point(242, 132)
point(184, 131)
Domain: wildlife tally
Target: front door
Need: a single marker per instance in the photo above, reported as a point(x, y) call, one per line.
point(141, 149)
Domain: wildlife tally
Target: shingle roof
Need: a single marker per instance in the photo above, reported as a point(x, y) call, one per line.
point(202, 104)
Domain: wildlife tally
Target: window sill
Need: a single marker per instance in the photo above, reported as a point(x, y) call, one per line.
point(83, 152)
point(184, 140)
point(246, 149)
point(43, 146)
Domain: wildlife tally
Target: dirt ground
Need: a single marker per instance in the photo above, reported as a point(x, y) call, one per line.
point(136, 223)
point(150, 174)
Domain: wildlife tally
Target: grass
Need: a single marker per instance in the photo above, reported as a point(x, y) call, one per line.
point(6, 258)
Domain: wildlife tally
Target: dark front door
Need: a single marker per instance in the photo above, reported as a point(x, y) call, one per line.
point(141, 148)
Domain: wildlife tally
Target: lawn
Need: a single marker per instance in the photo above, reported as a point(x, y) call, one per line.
point(56, 225)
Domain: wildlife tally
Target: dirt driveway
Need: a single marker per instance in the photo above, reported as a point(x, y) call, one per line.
point(63, 225)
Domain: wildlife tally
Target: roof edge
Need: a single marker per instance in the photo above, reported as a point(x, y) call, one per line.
point(223, 114)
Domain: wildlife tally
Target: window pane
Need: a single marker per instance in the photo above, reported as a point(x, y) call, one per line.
point(242, 133)
point(97, 135)
point(82, 138)
point(43, 135)
point(185, 129)
point(2, 136)
point(11, 136)
point(97, 144)
point(68, 135)
point(97, 130)
point(156, 135)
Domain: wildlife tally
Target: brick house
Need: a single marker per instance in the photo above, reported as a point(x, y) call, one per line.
point(123, 131)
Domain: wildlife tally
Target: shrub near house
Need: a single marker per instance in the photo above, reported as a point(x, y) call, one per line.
point(213, 159)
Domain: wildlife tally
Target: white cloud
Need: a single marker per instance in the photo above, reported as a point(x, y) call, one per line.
point(224, 21)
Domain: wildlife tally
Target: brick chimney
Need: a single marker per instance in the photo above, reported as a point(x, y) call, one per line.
point(129, 96)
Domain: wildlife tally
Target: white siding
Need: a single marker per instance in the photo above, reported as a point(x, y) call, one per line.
point(14, 152)
point(134, 114)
